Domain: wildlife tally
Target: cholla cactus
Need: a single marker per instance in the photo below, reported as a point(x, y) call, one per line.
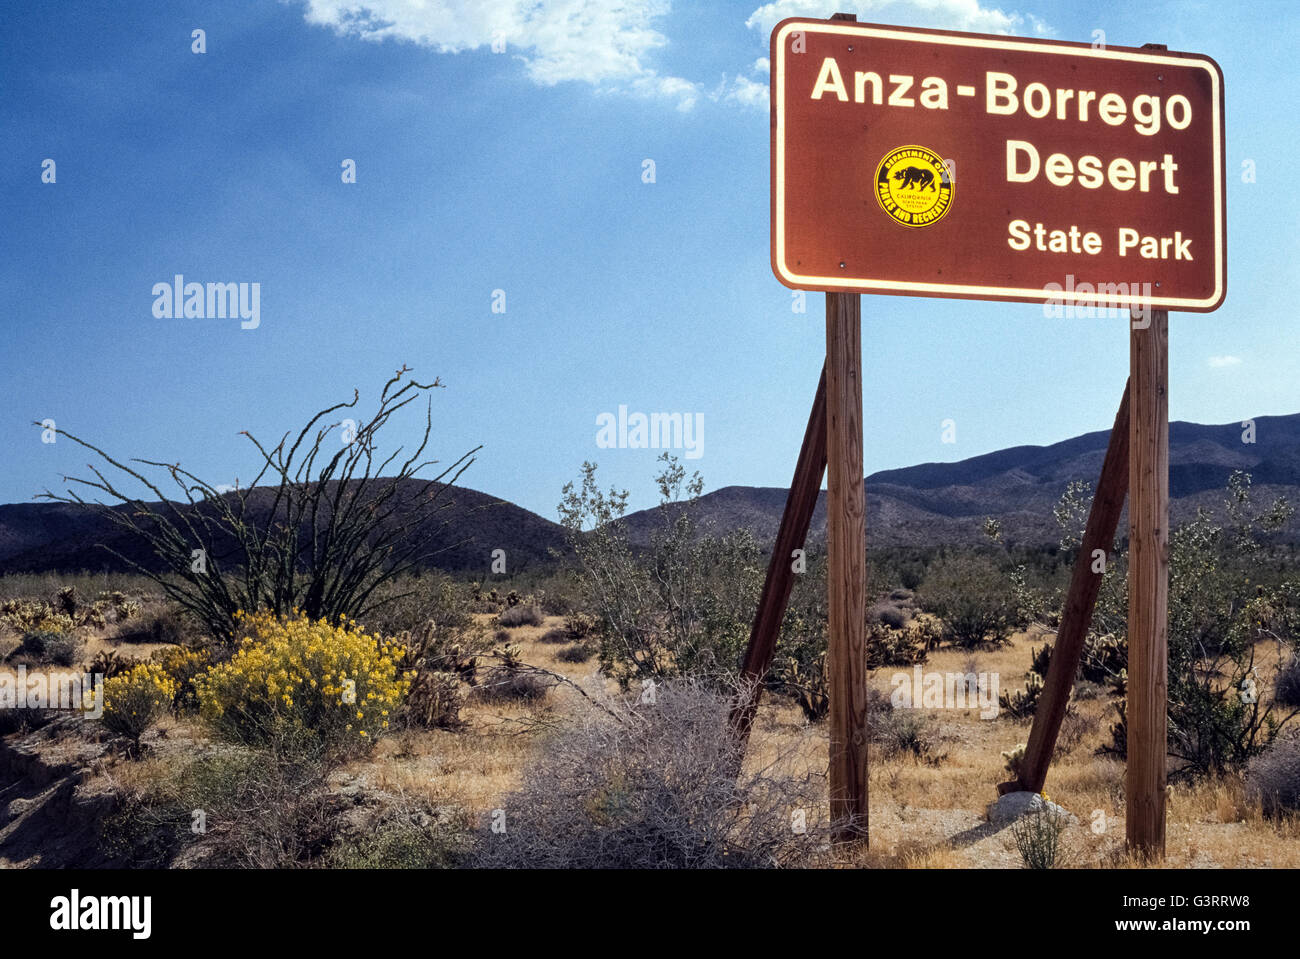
point(509, 656)
point(435, 700)
point(1013, 758)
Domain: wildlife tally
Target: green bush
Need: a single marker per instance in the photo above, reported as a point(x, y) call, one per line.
point(1219, 609)
point(404, 839)
point(973, 599)
point(683, 604)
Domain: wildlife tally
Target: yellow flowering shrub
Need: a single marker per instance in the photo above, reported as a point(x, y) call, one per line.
point(184, 666)
point(296, 675)
point(135, 698)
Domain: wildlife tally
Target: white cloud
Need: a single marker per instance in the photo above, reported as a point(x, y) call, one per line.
point(742, 90)
point(1219, 362)
point(610, 45)
point(937, 14)
point(604, 44)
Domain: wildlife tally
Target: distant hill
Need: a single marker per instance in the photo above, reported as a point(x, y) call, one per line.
point(947, 502)
point(930, 504)
point(41, 537)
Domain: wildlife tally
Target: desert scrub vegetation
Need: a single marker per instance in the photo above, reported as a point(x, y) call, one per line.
point(1221, 606)
point(325, 532)
point(645, 785)
point(973, 599)
point(272, 808)
point(1228, 597)
point(336, 683)
point(681, 606)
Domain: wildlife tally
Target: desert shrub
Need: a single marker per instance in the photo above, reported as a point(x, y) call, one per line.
point(1273, 776)
point(683, 604)
point(555, 636)
point(409, 602)
point(911, 574)
point(513, 616)
point(1014, 758)
point(49, 646)
point(164, 623)
point(1286, 685)
point(973, 599)
point(1075, 728)
point(435, 700)
point(433, 648)
point(1038, 835)
point(440, 659)
point(579, 625)
point(887, 614)
point(23, 720)
point(404, 839)
point(799, 666)
point(1219, 719)
point(1104, 660)
point(654, 786)
point(108, 664)
point(503, 684)
point(887, 646)
point(262, 809)
point(577, 653)
point(1021, 703)
point(899, 732)
point(135, 699)
point(65, 650)
point(807, 684)
point(335, 682)
point(34, 616)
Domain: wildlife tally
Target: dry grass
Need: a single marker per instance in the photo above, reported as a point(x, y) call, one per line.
point(923, 814)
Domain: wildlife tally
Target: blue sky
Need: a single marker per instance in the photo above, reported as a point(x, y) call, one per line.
point(522, 171)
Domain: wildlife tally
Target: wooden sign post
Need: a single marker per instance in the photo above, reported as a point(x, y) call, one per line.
point(1148, 584)
point(846, 572)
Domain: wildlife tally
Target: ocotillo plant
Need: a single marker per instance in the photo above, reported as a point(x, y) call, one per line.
point(320, 535)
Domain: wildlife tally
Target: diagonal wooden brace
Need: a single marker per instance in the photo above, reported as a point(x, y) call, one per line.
point(1103, 520)
point(791, 535)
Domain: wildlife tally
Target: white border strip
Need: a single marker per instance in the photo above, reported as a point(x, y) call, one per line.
point(1032, 295)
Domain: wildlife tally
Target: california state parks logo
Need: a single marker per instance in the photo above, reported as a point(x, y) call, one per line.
point(913, 186)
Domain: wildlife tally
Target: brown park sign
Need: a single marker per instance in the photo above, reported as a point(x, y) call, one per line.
point(931, 163)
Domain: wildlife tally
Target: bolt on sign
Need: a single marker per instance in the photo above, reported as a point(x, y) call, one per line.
point(932, 163)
